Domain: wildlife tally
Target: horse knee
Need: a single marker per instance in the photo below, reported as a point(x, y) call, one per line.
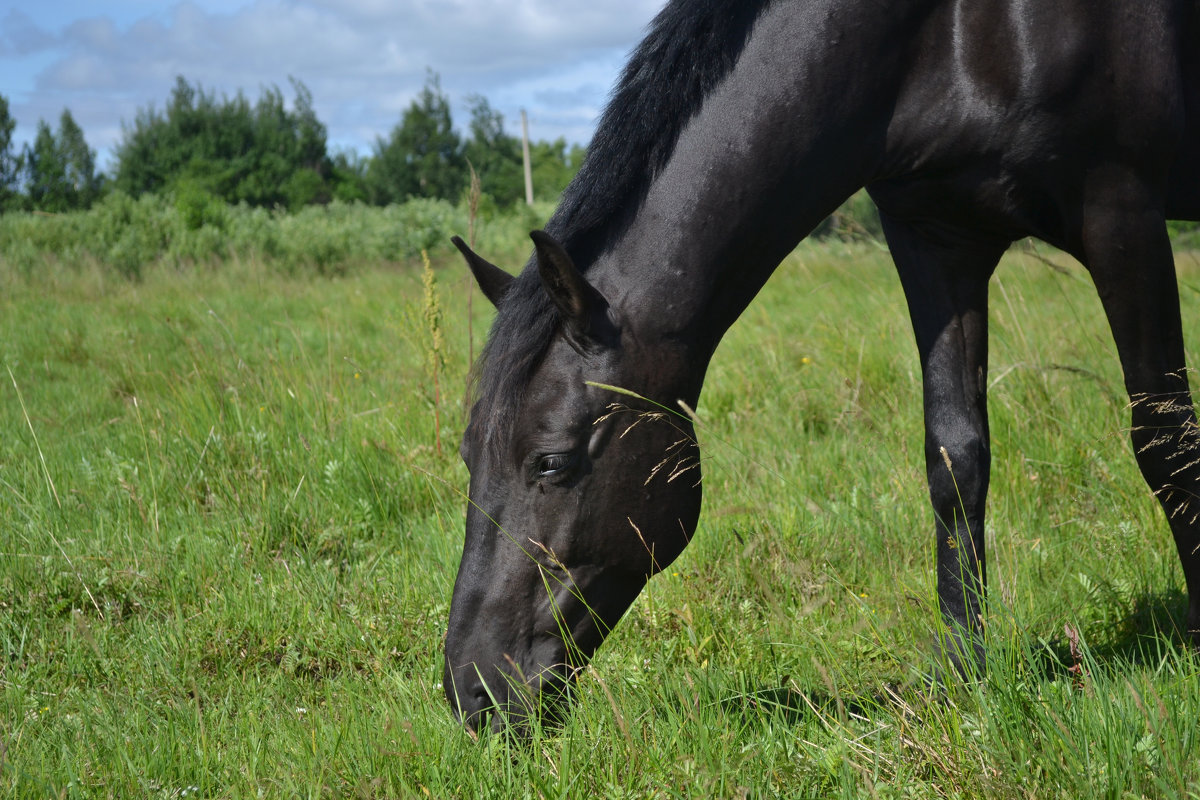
point(1166, 442)
point(958, 471)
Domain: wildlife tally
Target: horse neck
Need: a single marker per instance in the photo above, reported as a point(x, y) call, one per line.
point(768, 156)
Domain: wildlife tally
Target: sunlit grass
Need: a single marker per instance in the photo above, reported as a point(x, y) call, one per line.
point(230, 574)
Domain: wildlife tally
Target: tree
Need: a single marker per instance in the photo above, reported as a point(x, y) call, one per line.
point(311, 178)
point(348, 176)
point(184, 142)
point(79, 162)
point(311, 152)
point(60, 168)
point(262, 154)
point(10, 162)
point(495, 155)
point(554, 165)
point(421, 157)
point(46, 174)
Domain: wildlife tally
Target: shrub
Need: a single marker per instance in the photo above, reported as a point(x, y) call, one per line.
point(192, 226)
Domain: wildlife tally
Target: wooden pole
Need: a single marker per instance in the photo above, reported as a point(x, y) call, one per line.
point(525, 154)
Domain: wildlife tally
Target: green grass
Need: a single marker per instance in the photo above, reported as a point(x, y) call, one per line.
point(228, 539)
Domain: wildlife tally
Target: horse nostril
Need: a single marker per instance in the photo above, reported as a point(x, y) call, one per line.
point(478, 700)
point(471, 702)
point(476, 708)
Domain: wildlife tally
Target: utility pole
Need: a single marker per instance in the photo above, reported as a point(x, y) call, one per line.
point(525, 154)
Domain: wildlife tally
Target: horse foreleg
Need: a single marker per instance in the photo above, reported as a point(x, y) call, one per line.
point(1127, 251)
point(945, 281)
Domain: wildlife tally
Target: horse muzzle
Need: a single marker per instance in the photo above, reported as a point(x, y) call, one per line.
point(503, 702)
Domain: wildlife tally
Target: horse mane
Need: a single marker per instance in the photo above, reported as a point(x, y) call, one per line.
point(689, 48)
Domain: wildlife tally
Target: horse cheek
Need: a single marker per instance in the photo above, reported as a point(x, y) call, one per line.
point(666, 525)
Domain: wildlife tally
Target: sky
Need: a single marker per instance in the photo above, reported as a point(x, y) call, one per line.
point(363, 60)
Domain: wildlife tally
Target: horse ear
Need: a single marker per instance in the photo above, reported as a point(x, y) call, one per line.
point(492, 280)
point(583, 308)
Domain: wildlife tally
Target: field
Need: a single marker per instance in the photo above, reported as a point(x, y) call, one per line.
point(231, 510)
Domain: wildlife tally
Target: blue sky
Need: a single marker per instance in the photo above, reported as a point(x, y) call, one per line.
point(363, 60)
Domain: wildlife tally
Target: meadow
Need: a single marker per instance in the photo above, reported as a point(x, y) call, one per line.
point(231, 511)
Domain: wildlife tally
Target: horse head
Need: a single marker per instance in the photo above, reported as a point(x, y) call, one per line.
point(585, 481)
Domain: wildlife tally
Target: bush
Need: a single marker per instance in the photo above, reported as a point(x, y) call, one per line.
point(192, 226)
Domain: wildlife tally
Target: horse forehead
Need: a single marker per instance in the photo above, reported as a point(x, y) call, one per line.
point(566, 369)
point(560, 384)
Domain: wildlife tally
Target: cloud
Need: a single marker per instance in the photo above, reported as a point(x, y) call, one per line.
point(20, 35)
point(363, 60)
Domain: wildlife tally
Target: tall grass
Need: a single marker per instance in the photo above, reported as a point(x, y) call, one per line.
point(228, 541)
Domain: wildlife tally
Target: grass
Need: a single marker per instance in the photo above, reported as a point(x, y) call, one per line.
point(228, 540)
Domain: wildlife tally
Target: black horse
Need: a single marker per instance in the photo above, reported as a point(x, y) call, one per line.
point(737, 127)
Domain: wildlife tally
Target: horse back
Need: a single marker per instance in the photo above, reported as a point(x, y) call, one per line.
point(1183, 198)
point(1007, 106)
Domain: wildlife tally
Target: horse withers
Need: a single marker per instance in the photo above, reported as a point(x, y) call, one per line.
point(736, 127)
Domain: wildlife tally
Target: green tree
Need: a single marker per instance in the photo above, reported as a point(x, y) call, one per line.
point(348, 176)
point(262, 154)
point(497, 158)
point(60, 168)
point(190, 141)
point(45, 171)
point(312, 168)
point(554, 164)
point(79, 162)
point(10, 161)
point(495, 155)
point(422, 156)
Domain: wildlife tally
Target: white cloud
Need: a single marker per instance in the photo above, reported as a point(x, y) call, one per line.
point(363, 60)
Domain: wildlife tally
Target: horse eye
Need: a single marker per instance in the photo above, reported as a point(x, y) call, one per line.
point(554, 464)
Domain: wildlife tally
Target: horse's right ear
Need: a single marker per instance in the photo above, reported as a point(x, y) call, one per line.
point(582, 308)
point(492, 280)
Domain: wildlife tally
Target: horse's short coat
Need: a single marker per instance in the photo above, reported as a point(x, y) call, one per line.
point(735, 129)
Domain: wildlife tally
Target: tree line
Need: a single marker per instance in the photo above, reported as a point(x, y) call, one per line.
point(203, 148)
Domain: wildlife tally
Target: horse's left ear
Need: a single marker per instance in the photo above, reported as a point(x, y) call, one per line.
point(584, 310)
point(492, 280)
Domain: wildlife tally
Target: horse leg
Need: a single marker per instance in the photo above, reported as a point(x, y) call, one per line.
point(1127, 252)
point(945, 279)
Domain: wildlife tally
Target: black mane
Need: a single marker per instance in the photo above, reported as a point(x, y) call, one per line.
point(690, 47)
